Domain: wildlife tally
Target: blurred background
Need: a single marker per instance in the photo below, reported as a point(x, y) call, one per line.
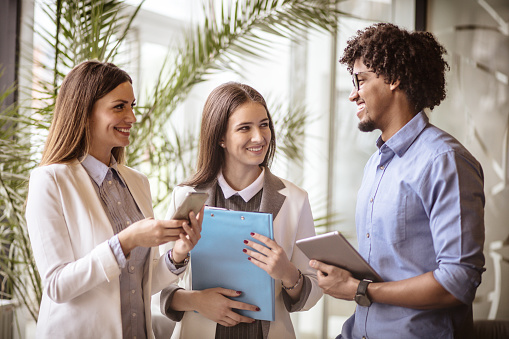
point(177, 51)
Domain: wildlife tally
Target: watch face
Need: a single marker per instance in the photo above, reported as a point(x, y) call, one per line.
point(362, 300)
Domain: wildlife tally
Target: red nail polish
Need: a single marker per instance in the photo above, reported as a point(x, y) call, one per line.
point(239, 292)
point(252, 233)
point(244, 250)
point(245, 241)
point(249, 258)
point(257, 308)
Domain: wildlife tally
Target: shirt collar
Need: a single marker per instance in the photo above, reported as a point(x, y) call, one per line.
point(247, 193)
point(400, 142)
point(98, 170)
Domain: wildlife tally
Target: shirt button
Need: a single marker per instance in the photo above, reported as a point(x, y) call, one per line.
point(367, 235)
point(134, 337)
point(133, 291)
point(382, 167)
point(131, 268)
point(109, 182)
point(134, 314)
point(371, 200)
point(128, 222)
point(119, 203)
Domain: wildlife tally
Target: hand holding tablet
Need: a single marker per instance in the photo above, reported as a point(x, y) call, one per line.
point(333, 249)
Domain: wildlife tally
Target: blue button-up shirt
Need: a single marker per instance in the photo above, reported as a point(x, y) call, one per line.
point(420, 209)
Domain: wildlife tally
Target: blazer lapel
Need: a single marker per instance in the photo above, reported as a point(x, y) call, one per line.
point(209, 188)
point(138, 192)
point(272, 200)
point(96, 212)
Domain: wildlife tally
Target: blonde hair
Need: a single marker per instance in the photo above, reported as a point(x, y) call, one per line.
point(69, 133)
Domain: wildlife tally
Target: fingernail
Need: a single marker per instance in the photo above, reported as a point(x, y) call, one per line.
point(249, 258)
point(244, 250)
point(245, 241)
point(257, 308)
point(252, 233)
point(239, 292)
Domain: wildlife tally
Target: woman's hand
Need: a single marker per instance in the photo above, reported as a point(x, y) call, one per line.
point(188, 240)
point(215, 304)
point(149, 233)
point(273, 260)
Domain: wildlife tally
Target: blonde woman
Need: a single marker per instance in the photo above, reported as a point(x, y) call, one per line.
point(90, 217)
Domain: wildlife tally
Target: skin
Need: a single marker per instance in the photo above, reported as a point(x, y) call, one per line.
point(389, 110)
point(245, 142)
point(110, 125)
point(385, 105)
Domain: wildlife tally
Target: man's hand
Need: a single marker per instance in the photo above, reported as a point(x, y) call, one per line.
point(335, 281)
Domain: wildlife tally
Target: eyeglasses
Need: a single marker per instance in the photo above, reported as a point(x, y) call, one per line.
point(355, 80)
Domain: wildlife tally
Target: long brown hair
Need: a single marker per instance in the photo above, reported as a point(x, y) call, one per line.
point(220, 105)
point(69, 133)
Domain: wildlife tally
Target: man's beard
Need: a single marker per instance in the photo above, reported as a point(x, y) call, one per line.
point(367, 125)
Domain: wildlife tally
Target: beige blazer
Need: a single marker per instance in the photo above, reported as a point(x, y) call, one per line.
point(69, 232)
point(293, 220)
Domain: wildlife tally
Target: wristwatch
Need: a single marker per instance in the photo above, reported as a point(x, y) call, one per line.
point(361, 298)
point(178, 265)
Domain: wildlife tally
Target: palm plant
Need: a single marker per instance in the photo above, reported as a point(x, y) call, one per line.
point(82, 30)
point(96, 29)
point(18, 273)
point(231, 32)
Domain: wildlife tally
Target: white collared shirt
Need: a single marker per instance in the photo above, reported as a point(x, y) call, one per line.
point(247, 193)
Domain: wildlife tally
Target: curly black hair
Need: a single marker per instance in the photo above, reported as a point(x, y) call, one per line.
point(413, 58)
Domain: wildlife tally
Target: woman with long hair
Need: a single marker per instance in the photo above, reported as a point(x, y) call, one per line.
point(90, 217)
point(237, 144)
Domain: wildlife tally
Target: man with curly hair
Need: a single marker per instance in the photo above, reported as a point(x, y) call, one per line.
point(420, 208)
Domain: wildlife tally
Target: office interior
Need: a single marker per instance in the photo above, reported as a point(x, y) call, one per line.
point(307, 73)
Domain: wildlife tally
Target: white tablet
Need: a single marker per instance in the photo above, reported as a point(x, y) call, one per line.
point(333, 249)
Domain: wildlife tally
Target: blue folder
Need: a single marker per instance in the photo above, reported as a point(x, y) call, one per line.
point(217, 260)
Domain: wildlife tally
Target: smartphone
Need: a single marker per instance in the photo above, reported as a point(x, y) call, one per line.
point(192, 202)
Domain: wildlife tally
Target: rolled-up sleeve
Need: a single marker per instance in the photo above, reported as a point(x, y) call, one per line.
point(454, 195)
point(165, 302)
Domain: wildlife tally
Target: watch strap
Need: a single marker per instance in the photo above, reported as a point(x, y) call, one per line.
point(361, 297)
point(363, 286)
point(178, 265)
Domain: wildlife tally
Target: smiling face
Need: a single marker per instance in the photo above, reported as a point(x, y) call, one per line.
point(111, 121)
point(373, 99)
point(246, 139)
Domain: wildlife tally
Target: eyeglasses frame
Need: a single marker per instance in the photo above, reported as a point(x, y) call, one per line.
point(355, 80)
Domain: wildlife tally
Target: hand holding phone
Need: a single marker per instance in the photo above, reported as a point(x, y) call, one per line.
point(193, 202)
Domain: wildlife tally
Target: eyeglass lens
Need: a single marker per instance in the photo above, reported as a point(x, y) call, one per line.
point(355, 81)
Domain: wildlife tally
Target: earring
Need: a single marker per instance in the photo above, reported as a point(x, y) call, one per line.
point(222, 144)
